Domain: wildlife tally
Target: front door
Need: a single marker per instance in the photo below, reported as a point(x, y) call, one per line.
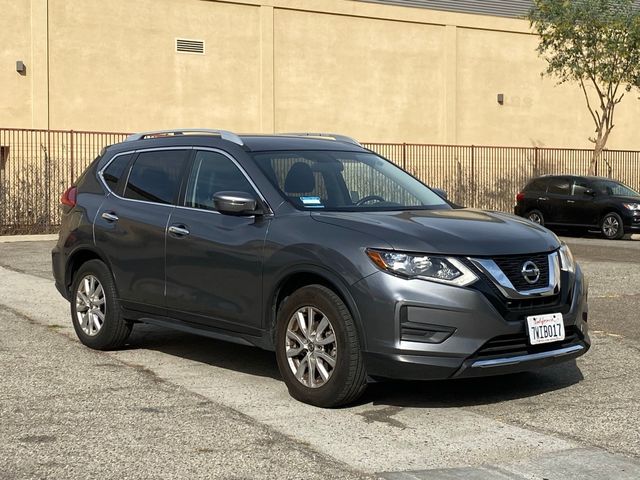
point(581, 209)
point(214, 261)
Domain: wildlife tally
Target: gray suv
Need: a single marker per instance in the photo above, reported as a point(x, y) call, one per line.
point(312, 246)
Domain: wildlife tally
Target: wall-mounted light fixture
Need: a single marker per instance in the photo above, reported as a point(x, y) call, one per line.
point(501, 98)
point(21, 68)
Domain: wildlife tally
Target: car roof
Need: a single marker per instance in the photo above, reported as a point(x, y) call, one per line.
point(261, 143)
point(250, 143)
point(581, 177)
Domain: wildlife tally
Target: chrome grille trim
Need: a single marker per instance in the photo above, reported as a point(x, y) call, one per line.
point(500, 280)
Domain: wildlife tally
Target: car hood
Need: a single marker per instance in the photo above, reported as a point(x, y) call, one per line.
point(452, 232)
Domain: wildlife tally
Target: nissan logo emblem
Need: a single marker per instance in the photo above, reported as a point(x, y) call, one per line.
point(530, 272)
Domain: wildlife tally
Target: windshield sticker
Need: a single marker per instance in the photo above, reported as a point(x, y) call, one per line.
point(311, 202)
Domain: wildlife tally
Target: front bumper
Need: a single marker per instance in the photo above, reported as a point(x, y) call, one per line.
point(469, 332)
point(631, 221)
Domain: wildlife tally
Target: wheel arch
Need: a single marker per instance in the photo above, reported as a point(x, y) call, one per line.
point(607, 210)
point(293, 280)
point(78, 258)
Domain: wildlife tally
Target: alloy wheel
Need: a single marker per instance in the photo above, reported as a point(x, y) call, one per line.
point(90, 305)
point(535, 218)
point(610, 226)
point(311, 347)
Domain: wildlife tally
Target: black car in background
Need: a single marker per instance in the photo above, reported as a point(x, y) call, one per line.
point(584, 202)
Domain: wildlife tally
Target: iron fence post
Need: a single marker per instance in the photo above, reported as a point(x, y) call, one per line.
point(473, 176)
point(404, 156)
point(71, 158)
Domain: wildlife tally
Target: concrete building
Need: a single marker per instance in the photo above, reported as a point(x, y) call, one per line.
point(426, 71)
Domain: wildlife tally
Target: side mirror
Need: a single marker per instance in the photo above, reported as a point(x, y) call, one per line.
point(590, 192)
point(441, 192)
point(236, 203)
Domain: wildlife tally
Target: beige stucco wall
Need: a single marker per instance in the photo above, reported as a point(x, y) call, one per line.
point(380, 73)
point(113, 65)
point(344, 74)
point(15, 44)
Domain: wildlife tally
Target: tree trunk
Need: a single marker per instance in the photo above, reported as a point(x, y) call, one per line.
point(598, 148)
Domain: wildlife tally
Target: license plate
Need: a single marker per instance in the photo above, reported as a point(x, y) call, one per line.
point(545, 328)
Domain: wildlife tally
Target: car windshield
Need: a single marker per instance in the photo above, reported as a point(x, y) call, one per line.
point(616, 189)
point(345, 181)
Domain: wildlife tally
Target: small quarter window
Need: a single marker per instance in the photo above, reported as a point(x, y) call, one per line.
point(155, 176)
point(212, 173)
point(115, 174)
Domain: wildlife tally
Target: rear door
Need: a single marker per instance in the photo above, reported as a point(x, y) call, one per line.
point(131, 223)
point(558, 192)
point(214, 261)
point(534, 193)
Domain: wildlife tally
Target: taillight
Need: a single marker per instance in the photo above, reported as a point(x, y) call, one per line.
point(520, 197)
point(69, 197)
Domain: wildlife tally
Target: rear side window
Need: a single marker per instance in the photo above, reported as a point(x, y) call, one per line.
point(115, 174)
point(212, 173)
point(560, 186)
point(537, 185)
point(155, 176)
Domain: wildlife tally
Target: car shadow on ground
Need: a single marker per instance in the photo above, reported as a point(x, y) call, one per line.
point(218, 353)
point(427, 394)
point(473, 391)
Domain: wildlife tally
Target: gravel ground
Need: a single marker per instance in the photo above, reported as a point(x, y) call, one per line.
point(172, 405)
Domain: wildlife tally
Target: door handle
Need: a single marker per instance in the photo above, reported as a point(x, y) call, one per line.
point(179, 231)
point(543, 198)
point(109, 217)
point(571, 201)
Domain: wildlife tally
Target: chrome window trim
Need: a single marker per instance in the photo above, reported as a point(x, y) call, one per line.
point(155, 149)
point(246, 176)
point(500, 280)
point(128, 152)
point(501, 362)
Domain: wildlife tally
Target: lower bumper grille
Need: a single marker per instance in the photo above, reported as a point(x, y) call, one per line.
point(518, 344)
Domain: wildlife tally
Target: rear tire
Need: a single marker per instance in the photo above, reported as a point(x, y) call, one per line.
point(612, 227)
point(536, 216)
point(306, 349)
point(95, 309)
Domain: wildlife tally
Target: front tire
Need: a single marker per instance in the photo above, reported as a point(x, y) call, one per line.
point(612, 227)
point(95, 309)
point(318, 349)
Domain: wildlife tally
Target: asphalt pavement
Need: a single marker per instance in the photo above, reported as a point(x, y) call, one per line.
point(173, 405)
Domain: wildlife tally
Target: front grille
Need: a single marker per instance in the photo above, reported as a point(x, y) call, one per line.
point(518, 344)
point(534, 303)
point(512, 268)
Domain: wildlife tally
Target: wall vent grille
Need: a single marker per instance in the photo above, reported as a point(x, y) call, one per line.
point(184, 45)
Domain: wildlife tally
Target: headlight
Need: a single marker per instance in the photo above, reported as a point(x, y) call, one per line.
point(566, 259)
point(427, 267)
point(632, 206)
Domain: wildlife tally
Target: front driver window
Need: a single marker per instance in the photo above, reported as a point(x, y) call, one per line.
point(211, 173)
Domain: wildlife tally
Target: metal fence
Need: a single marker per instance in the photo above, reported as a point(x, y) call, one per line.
point(490, 177)
point(36, 166)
